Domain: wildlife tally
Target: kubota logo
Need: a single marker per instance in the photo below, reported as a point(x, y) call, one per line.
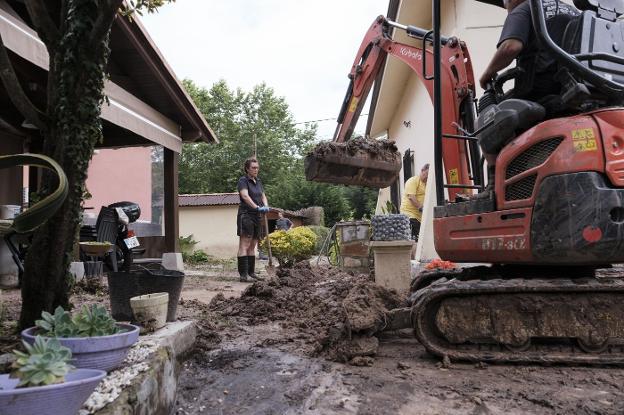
point(411, 54)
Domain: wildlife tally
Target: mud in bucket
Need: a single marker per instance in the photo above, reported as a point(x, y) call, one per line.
point(139, 280)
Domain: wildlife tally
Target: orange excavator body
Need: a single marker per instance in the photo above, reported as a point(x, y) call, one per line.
point(555, 212)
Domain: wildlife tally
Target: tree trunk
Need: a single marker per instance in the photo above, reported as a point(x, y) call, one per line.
point(75, 94)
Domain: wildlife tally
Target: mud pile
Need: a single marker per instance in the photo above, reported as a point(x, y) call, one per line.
point(356, 162)
point(377, 149)
point(321, 311)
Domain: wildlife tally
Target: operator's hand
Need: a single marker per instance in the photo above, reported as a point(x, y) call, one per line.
point(263, 209)
point(485, 79)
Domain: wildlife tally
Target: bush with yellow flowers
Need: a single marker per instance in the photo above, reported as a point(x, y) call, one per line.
point(292, 246)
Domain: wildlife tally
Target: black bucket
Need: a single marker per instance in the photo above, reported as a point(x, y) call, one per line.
point(124, 285)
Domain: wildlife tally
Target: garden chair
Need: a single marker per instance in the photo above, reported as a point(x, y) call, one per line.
point(28, 221)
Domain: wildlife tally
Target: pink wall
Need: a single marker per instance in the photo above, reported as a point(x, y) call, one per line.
point(121, 174)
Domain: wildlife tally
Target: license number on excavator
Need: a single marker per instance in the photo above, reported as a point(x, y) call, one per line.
point(502, 243)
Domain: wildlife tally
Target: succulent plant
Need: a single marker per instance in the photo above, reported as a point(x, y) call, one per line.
point(88, 322)
point(58, 324)
point(45, 362)
point(94, 321)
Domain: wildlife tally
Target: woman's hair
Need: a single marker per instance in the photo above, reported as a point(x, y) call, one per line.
point(248, 163)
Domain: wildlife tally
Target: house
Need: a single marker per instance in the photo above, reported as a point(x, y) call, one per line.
point(147, 110)
point(401, 108)
point(211, 219)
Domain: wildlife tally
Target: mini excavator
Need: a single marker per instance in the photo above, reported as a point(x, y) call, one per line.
point(552, 213)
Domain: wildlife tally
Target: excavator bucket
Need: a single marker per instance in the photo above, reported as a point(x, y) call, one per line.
point(356, 162)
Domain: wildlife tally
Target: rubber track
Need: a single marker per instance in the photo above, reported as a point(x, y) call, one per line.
point(426, 302)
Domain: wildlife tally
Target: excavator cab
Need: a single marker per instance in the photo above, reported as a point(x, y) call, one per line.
point(592, 38)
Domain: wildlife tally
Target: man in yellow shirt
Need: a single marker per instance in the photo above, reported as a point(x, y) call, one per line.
point(413, 199)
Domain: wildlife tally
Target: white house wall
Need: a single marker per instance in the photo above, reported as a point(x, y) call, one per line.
point(213, 227)
point(411, 123)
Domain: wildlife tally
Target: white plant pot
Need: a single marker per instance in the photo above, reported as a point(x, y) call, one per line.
point(77, 269)
point(150, 310)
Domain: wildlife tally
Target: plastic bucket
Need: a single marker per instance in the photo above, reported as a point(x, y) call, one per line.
point(150, 310)
point(140, 281)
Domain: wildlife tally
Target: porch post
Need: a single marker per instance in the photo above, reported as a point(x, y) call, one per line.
point(172, 226)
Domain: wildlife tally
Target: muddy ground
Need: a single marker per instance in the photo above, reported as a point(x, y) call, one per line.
point(254, 357)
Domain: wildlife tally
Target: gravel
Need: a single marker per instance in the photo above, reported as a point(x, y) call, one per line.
point(113, 384)
point(394, 227)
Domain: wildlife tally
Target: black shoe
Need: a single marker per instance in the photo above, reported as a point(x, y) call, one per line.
point(251, 268)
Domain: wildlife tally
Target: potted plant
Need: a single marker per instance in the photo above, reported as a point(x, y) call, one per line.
point(43, 382)
point(95, 339)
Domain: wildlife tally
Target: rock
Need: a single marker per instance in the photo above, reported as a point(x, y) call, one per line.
point(362, 361)
point(363, 346)
point(402, 365)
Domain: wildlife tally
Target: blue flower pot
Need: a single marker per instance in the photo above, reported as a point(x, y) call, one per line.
point(60, 399)
point(101, 352)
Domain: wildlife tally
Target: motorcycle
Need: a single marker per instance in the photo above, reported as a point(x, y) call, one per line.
point(126, 244)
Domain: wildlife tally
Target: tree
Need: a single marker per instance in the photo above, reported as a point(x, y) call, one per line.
point(76, 34)
point(362, 200)
point(237, 117)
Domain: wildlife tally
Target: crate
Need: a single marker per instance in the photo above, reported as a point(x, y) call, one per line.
point(353, 238)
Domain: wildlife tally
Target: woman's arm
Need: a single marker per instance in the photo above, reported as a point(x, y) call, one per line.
point(264, 199)
point(244, 194)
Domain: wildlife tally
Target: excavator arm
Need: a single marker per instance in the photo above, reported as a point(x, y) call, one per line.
point(457, 94)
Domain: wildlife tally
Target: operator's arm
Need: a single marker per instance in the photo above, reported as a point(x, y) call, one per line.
point(505, 54)
point(265, 202)
point(514, 37)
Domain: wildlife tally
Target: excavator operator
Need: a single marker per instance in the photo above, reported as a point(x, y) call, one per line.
point(518, 41)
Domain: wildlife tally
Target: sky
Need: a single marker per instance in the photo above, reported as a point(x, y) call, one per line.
point(303, 49)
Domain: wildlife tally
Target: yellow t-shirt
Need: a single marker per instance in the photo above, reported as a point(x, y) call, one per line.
point(413, 186)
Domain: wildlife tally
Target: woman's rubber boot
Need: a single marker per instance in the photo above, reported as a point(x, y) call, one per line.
point(243, 269)
point(251, 268)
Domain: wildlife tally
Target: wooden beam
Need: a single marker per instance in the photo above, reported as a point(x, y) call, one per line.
point(172, 223)
point(123, 108)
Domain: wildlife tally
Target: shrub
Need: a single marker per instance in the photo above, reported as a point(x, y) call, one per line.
point(290, 247)
point(321, 233)
point(196, 257)
point(187, 243)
